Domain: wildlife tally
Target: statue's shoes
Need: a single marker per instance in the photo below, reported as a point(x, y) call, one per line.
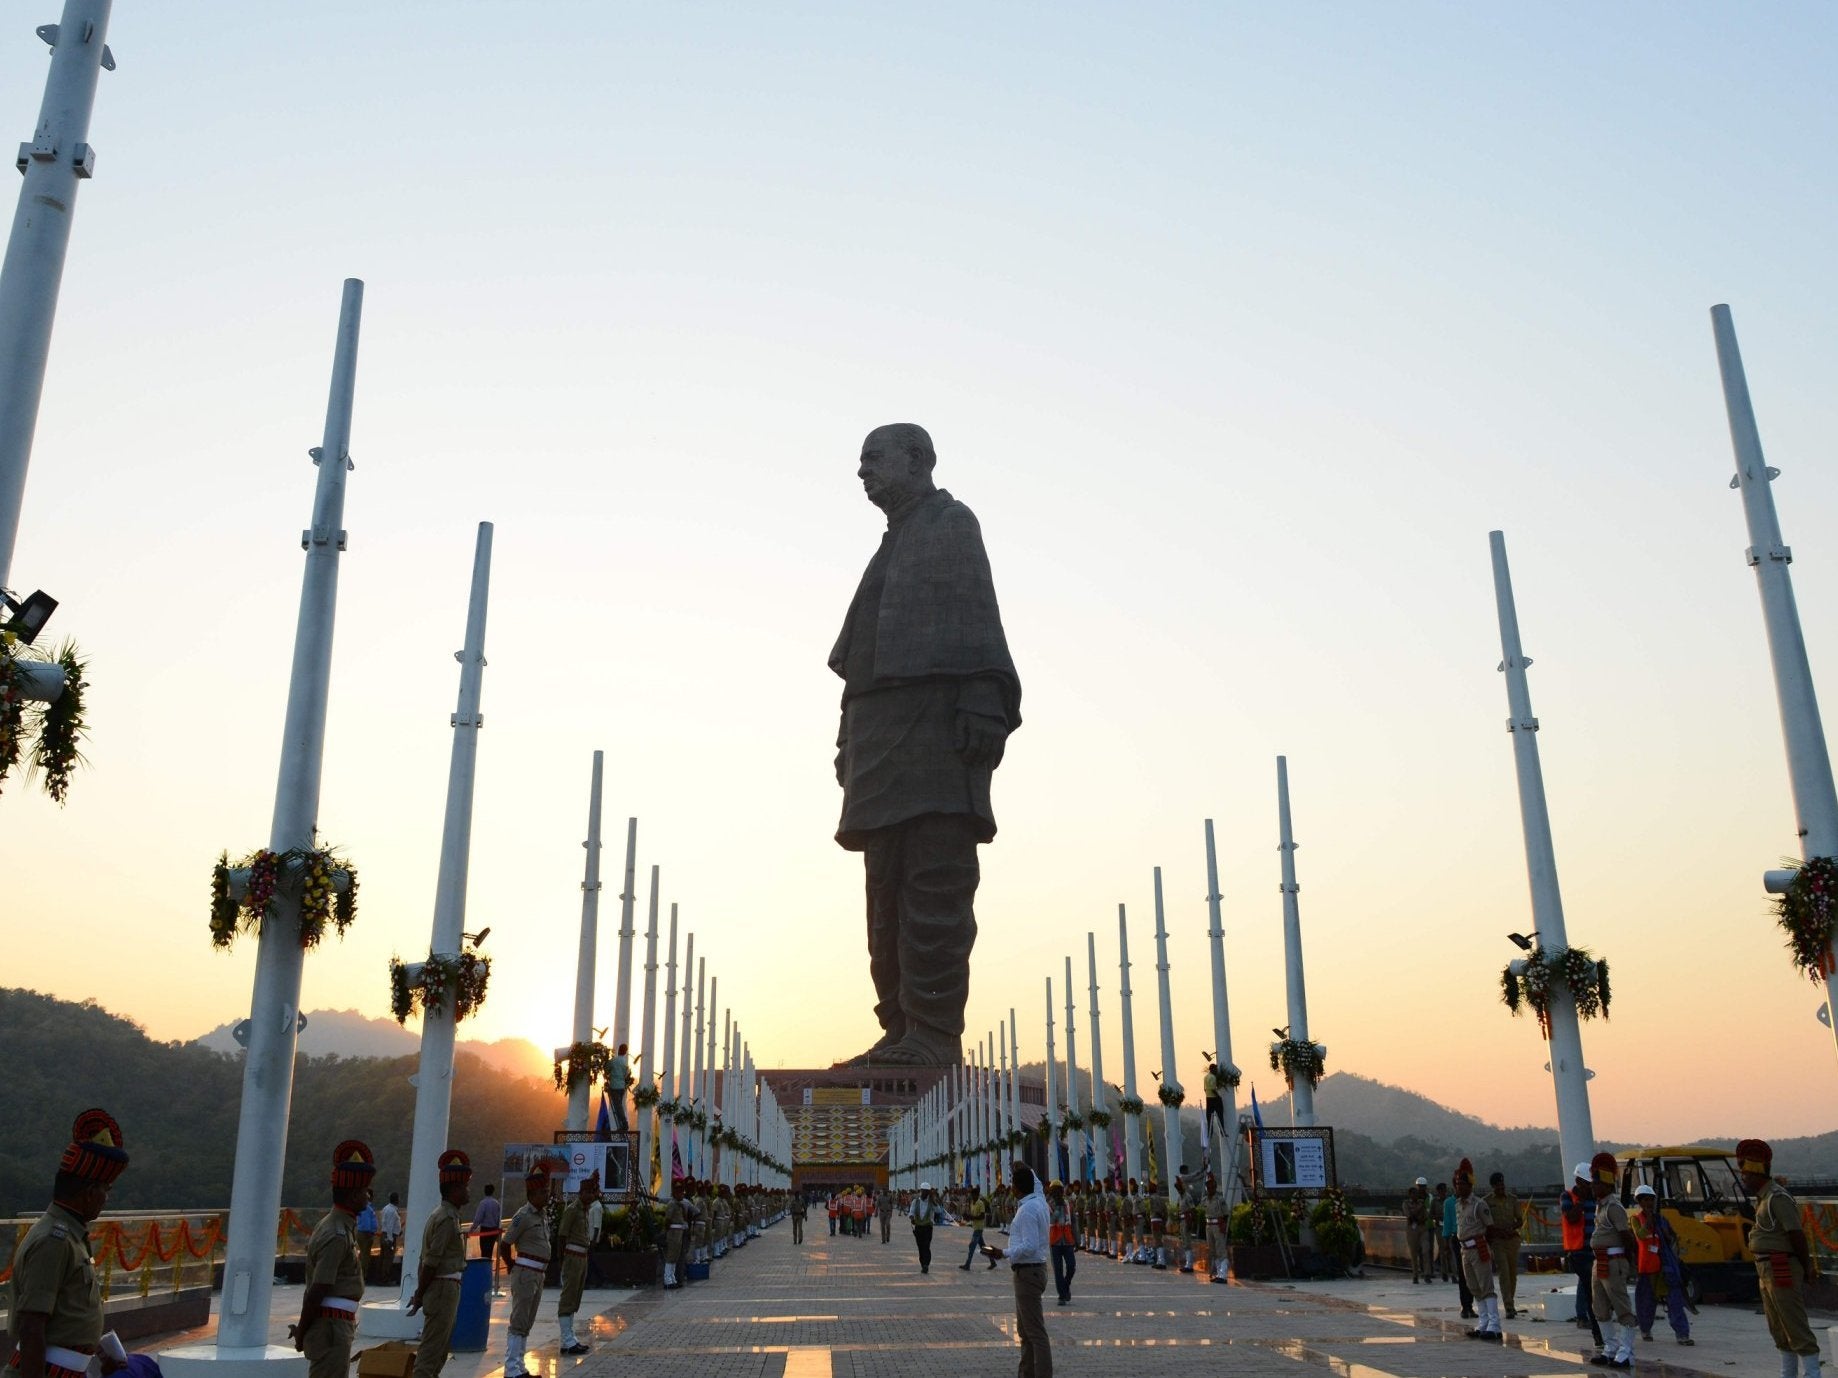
point(877, 1053)
point(920, 1050)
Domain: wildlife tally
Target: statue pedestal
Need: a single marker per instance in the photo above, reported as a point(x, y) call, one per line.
point(209, 1361)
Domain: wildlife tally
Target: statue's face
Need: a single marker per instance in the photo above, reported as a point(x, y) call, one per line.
point(889, 473)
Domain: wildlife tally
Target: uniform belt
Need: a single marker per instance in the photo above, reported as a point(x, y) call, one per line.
point(449, 1277)
point(684, 1227)
point(1470, 1243)
point(59, 1360)
point(534, 1264)
point(343, 1305)
point(580, 1249)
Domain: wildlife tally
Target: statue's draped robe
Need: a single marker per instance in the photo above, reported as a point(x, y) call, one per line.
point(922, 642)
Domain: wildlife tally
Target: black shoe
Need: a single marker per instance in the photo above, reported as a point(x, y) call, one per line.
point(1686, 1340)
point(1600, 1360)
point(992, 1265)
point(576, 1348)
point(1477, 1334)
point(963, 1267)
point(1646, 1334)
point(1512, 1313)
point(1468, 1315)
point(1620, 1363)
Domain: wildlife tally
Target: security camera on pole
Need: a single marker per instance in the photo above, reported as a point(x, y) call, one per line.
point(1809, 763)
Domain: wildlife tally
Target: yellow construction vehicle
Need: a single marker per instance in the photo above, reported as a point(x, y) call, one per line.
point(1702, 1197)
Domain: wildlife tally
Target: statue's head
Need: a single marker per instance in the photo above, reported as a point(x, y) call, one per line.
point(896, 464)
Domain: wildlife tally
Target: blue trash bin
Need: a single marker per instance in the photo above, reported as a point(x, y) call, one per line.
point(472, 1325)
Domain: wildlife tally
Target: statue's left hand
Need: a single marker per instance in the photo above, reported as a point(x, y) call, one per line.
point(980, 740)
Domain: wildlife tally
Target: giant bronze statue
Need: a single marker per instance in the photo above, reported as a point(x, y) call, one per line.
point(929, 698)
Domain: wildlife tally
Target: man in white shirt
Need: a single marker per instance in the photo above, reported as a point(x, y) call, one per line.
point(390, 1227)
point(924, 1213)
point(1027, 1257)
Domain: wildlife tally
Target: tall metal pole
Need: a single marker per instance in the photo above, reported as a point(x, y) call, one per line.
point(1302, 1094)
point(622, 1006)
point(1809, 763)
point(1052, 1096)
point(1075, 1152)
point(685, 1088)
point(590, 936)
point(1171, 1115)
point(698, 1086)
point(1132, 1124)
point(666, 1129)
point(1014, 1076)
point(1222, 1022)
point(1574, 1129)
point(710, 1110)
point(1005, 1122)
point(274, 1008)
point(1100, 1097)
point(434, 1085)
point(55, 163)
point(647, 1115)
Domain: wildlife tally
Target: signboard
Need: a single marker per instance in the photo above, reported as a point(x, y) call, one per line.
point(837, 1095)
point(570, 1164)
point(1293, 1160)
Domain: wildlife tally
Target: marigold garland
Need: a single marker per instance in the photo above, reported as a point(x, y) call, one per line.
point(1100, 1119)
point(582, 1062)
point(1808, 912)
point(321, 902)
point(1170, 1095)
point(1294, 1058)
point(56, 730)
point(645, 1094)
point(463, 977)
point(1575, 968)
point(1130, 1105)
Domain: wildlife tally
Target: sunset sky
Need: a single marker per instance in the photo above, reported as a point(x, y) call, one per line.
point(1239, 327)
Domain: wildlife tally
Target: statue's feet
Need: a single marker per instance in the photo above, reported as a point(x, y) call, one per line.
point(920, 1049)
point(878, 1053)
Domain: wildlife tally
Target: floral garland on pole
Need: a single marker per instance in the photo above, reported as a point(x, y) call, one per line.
point(1170, 1095)
point(1229, 1077)
point(1073, 1122)
point(1294, 1058)
point(1808, 912)
point(583, 1062)
point(1099, 1119)
point(645, 1094)
point(1130, 1105)
point(1575, 968)
point(56, 729)
point(463, 976)
point(321, 902)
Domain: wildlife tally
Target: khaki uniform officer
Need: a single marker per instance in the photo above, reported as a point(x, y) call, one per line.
point(1781, 1259)
point(1218, 1223)
point(525, 1249)
point(1503, 1239)
point(334, 1272)
point(575, 1240)
point(1473, 1220)
point(1613, 1243)
point(676, 1239)
point(53, 1298)
point(443, 1265)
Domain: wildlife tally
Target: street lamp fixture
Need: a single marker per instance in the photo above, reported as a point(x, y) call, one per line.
point(1523, 941)
point(28, 616)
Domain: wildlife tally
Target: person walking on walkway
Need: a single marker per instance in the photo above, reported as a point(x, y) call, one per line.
point(487, 1226)
point(1577, 1209)
point(1451, 1249)
point(1783, 1262)
point(884, 1206)
point(1027, 1259)
point(1613, 1245)
point(800, 1208)
point(1060, 1242)
point(977, 1213)
point(575, 1240)
point(443, 1265)
point(924, 1213)
point(389, 1233)
point(334, 1279)
point(53, 1293)
point(1439, 1251)
point(1503, 1239)
point(1418, 1232)
point(1657, 1268)
point(525, 1250)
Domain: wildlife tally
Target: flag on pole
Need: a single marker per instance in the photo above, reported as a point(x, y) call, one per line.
point(1257, 1115)
point(1148, 1139)
point(1206, 1142)
point(677, 1173)
point(603, 1127)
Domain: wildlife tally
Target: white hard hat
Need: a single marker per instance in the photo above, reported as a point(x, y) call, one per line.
point(1423, 1181)
point(1582, 1172)
point(1644, 1190)
point(925, 1186)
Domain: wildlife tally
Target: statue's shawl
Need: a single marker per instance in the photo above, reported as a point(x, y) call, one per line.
point(938, 614)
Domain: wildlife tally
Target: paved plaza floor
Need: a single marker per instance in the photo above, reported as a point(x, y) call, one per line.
point(838, 1307)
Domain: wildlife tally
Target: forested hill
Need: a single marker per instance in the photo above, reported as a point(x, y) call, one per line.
point(177, 1104)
